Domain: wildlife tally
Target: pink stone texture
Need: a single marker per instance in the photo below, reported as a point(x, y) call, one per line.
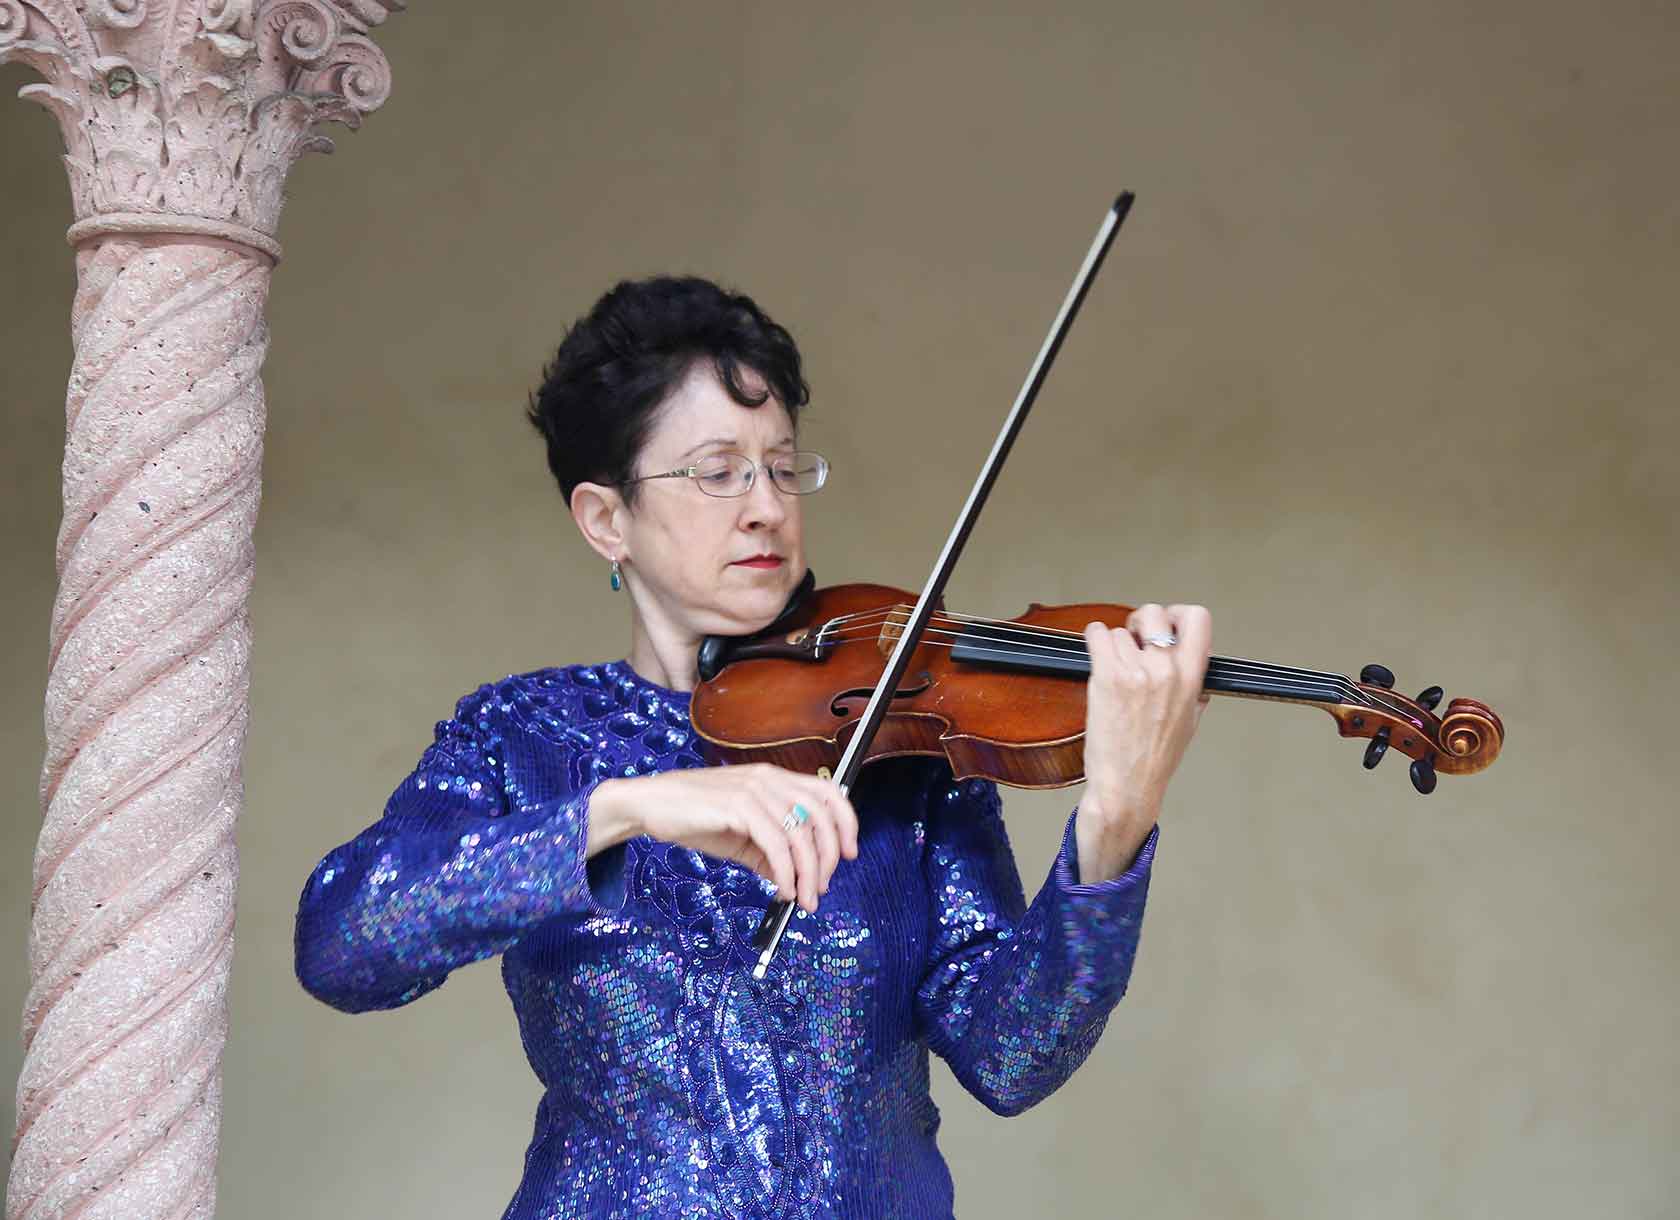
point(180, 122)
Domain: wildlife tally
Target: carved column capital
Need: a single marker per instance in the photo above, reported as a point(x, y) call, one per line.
point(186, 118)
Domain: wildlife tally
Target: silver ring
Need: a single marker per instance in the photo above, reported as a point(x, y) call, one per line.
point(797, 816)
point(1160, 640)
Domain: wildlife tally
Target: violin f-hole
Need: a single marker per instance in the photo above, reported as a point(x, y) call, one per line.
point(838, 707)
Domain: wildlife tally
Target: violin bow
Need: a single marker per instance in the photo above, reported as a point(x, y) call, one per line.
point(775, 920)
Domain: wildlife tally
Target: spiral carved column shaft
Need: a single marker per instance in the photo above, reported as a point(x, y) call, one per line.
point(180, 123)
point(135, 869)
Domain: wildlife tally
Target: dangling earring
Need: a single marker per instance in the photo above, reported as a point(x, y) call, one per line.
point(617, 577)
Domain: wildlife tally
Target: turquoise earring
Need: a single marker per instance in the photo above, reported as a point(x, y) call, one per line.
point(617, 577)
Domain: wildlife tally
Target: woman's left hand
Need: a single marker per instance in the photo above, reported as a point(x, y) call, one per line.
point(1143, 705)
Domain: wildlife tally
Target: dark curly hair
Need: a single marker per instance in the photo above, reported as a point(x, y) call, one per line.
point(618, 363)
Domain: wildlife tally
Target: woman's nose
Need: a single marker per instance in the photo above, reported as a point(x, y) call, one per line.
point(765, 502)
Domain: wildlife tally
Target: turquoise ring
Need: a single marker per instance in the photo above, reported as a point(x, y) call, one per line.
point(797, 816)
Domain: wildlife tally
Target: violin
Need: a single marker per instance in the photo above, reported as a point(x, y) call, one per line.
point(1004, 699)
point(1000, 698)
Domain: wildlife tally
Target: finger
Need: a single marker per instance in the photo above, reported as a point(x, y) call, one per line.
point(817, 795)
point(1099, 644)
point(804, 863)
point(1128, 654)
point(846, 817)
point(827, 840)
point(1125, 643)
point(1157, 660)
point(827, 794)
point(1116, 665)
point(1147, 620)
point(1149, 667)
point(1194, 627)
point(772, 842)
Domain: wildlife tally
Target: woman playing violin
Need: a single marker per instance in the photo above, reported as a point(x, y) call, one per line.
point(565, 819)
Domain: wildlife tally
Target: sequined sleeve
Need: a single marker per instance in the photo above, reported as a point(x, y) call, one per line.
point(1015, 996)
point(451, 873)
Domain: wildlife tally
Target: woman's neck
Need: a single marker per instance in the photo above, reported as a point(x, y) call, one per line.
point(662, 654)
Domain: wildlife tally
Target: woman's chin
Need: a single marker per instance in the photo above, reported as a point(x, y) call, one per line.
point(751, 610)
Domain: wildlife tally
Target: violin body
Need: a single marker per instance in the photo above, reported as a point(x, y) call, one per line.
point(1026, 730)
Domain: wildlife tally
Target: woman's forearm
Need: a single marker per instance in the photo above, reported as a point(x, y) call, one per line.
point(612, 815)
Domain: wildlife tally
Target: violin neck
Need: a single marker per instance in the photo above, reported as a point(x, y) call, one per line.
point(1259, 680)
point(1225, 675)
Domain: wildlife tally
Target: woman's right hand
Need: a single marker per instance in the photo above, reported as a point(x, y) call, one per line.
point(736, 813)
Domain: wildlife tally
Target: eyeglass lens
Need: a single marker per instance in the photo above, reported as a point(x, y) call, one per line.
point(731, 474)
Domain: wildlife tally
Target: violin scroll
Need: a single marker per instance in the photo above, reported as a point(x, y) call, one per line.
point(1463, 741)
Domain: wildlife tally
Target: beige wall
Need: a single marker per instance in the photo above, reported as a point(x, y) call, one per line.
point(1382, 369)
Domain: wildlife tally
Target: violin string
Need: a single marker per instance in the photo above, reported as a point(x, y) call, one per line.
point(1347, 691)
point(1229, 663)
point(1355, 694)
point(1265, 683)
point(1028, 629)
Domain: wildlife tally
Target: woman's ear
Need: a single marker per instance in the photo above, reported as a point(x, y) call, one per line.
point(598, 511)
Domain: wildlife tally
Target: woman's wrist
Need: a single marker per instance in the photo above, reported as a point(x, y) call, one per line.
point(1108, 839)
point(612, 818)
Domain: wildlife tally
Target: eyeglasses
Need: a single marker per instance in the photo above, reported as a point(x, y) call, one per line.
point(726, 475)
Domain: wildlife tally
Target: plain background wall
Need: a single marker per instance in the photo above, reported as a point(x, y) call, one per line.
point(1382, 368)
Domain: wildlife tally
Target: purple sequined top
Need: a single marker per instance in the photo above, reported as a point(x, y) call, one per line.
point(675, 1084)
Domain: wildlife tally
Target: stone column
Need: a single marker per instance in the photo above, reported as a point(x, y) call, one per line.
point(181, 120)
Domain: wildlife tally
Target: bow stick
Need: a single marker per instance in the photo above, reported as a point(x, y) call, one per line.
point(775, 920)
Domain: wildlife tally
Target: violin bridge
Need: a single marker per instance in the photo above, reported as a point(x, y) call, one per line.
point(893, 628)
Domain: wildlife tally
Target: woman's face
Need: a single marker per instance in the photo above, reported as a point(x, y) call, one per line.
point(683, 548)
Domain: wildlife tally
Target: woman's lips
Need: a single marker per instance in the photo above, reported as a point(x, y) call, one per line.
point(773, 562)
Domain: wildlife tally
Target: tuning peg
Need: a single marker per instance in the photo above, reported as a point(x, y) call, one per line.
point(1429, 698)
point(1377, 675)
point(1423, 774)
point(1377, 747)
